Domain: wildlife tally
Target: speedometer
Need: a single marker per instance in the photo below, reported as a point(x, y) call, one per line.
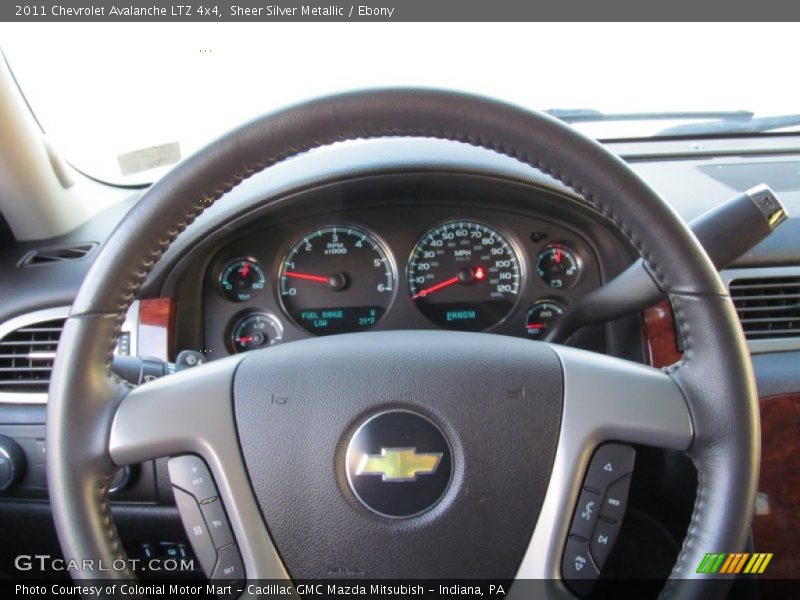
point(336, 279)
point(464, 275)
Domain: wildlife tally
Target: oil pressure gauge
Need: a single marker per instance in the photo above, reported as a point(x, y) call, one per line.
point(541, 316)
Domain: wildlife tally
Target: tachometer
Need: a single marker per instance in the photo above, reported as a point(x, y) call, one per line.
point(464, 275)
point(336, 279)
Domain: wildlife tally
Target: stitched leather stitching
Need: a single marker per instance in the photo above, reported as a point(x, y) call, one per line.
point(247, 171)
point(235, 179)
point(691, 536)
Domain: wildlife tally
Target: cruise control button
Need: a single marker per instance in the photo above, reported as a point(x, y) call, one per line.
point(616, 499)
point(609, 463)
point(191, 475)
point(603, 538)
point(577, 568)
point(586, 514)
point(196, 530)
point(229, 565)
point(217, 522)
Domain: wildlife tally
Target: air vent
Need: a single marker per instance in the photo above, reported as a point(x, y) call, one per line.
point(27, 355)
point(56, 254)
point(768, 307)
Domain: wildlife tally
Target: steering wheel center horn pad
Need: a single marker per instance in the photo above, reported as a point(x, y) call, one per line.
point(466, 425)
point(517, 457)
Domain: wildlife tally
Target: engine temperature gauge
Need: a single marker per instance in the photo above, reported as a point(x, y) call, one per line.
point(254, 331)
point(541, 315)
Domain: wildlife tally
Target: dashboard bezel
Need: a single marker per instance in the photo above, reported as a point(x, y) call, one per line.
point(453, 194)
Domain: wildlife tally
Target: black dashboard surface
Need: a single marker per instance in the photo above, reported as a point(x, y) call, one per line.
point(673, 168)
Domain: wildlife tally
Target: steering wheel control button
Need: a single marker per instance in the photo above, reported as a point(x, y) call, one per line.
point(598, 516)
point(603, 538)
point(616, 499)
point(578, 568)
point(196, 530)
point(229, 564)
point(217, 522)
point(399, 464)
point(191, 475)
point(586, 514)
point(609, 463)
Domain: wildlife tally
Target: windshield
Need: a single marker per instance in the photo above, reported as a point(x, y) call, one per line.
point(122, 102)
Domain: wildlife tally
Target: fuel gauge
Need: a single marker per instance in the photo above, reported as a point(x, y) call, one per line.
point(254, 331)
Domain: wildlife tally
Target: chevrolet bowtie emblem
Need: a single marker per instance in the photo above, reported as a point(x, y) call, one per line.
point(398, 464)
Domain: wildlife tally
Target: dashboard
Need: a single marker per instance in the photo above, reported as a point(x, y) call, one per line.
point(401, 235)
point(431, 256)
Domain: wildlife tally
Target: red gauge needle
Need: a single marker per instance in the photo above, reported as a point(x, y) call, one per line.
point(245, 339)
point(558, 255)
point(306, 276)
point(245, 269)
point(535, 325)
point(435, 288)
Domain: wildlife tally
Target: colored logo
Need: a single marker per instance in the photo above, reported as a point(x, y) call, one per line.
point(727, 563)
point(399, 464)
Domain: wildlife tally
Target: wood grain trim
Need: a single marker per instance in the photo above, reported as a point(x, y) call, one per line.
point(157, 328)
point(776, 524)
point(660, 340)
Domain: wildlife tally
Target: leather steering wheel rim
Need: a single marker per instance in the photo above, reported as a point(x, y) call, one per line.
point(714, 374)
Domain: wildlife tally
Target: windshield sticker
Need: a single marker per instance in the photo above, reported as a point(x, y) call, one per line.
point(149, 158)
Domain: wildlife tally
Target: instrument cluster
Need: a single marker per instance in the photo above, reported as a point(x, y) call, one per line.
point(493, 272)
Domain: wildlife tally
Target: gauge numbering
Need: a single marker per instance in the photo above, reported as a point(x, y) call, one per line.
point(336, 279)
point(241, 280)
point(464, 275)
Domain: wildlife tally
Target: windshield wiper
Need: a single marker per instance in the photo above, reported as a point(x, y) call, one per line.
point(588, 115)
point(726, 126)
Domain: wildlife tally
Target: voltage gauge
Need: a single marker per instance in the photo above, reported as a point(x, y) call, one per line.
point(558, 266)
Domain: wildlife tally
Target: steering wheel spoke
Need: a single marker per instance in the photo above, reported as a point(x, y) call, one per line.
point(605, 400)
point(188, 412)
point(191, 412)
point(460, 385)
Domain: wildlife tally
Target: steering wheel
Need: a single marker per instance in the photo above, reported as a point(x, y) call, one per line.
point(516, 421)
